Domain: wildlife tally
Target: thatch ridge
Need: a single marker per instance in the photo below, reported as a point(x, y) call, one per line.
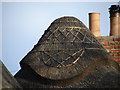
point(66, 50)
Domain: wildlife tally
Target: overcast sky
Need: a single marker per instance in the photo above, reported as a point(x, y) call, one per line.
point(24, 23)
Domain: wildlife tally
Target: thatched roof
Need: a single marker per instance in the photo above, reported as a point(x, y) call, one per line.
point(67, 50)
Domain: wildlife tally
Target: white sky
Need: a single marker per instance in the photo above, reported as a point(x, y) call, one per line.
point(59, 1)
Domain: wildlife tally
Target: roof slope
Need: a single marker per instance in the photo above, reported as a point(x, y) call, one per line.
point(8, 81)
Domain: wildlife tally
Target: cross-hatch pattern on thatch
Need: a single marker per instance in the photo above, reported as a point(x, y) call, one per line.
point(62, 46)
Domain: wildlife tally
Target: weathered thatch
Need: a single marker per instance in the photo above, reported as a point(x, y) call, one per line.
point(8, 81)
point(68, 55)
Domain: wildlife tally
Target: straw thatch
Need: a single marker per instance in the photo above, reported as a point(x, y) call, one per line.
point(8, 81)
point(68, 55)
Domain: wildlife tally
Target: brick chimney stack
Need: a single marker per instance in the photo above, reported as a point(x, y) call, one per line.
point(114, 11)
point(94, 23)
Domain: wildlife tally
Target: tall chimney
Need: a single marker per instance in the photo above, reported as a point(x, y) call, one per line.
point(94, 23)
point(114, 20)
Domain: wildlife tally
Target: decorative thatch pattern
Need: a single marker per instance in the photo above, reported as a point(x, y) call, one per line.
point(63, 46)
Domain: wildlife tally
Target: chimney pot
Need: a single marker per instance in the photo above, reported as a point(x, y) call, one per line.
point(114, 11)
point(94, 23)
